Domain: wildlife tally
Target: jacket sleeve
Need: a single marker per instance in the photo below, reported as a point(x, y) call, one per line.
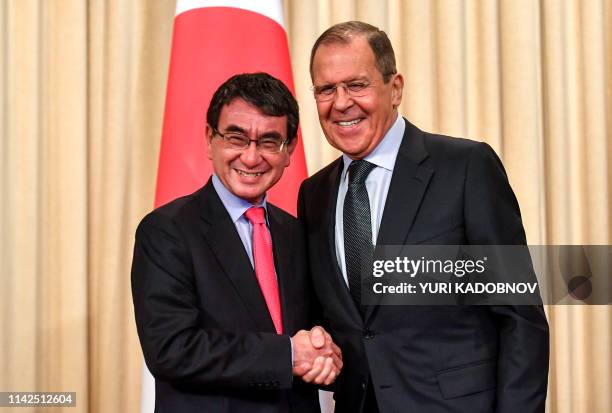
point(316, 312)
point(492, 217)
point(176, 347)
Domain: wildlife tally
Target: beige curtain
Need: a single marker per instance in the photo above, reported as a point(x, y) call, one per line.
point(82, 87)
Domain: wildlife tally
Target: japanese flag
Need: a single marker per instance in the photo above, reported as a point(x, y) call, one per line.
point(212, 41)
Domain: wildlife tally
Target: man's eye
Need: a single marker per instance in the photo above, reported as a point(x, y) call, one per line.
point(327, 90)
point(356, 86)
point(270, 143)
point(237, 140)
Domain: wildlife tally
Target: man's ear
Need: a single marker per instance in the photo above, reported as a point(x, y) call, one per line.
point(397, 89)
point(290, 148)
point(208, 136)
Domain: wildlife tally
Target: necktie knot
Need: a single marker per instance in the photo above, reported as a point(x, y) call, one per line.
point(359, 171)
point(256, 215)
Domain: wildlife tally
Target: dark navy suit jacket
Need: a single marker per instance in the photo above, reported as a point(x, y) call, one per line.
point(434, 359)
point(203, 324)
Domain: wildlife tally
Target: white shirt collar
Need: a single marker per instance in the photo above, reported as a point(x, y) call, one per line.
point(235, 206)
point(385, 153)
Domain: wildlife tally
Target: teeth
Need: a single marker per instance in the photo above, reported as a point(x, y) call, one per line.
point(349, 123)
point(243, 173)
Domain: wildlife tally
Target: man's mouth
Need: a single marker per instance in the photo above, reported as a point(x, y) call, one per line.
point(245, 173)
point(346, 123)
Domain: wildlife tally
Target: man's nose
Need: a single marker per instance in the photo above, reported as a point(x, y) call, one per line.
point(251, 156)
point(342, 99)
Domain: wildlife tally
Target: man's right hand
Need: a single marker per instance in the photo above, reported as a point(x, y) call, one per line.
point(316, 359)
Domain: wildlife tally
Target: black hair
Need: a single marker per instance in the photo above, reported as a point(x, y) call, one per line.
point(265, 92)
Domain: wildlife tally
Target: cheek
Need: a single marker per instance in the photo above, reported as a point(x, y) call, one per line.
point(277, 166)
point(323, 109)
point(370, 106)
point(222, 160)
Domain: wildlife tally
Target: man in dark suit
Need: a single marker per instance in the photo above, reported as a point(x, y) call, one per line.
point(219, 277)
point(398, 185)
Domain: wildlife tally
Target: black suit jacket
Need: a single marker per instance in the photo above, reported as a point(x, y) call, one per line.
point(203, 324)
point(431, 359)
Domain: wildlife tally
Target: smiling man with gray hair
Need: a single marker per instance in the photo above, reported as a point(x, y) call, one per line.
point(397, 185)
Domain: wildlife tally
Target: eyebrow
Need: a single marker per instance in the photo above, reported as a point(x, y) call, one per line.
point(354, 79)
point(235, 128)
point(268, 135)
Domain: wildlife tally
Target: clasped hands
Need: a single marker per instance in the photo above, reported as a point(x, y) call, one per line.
point(316, 359)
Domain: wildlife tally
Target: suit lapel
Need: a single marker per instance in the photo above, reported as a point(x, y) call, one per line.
point(225, 243)
point(406, 190)
point(408, 184)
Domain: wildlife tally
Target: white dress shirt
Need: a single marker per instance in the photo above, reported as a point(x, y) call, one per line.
point(377, 185)
point(236, 207)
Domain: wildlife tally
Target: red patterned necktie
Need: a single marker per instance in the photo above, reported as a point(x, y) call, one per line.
point(264, 264)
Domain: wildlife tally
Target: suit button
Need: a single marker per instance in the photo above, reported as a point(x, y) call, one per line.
point(363, 385)
point(368, 334)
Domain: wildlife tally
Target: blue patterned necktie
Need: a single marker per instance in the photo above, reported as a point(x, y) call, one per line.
point(358, 248)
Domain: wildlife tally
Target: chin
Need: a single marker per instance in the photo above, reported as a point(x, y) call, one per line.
point(254, 196)
point(351, 150)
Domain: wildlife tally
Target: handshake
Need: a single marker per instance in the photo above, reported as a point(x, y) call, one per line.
point(316, 359)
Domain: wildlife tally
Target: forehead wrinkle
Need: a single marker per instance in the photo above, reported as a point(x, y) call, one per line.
point(335, 60)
